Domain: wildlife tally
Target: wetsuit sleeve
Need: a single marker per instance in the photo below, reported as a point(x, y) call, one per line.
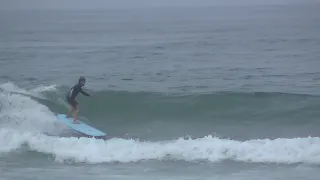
point(84, 93)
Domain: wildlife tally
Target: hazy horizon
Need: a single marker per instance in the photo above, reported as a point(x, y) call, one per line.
point(124, 4)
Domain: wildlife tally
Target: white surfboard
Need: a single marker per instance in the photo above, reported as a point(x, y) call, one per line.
point(81, 127)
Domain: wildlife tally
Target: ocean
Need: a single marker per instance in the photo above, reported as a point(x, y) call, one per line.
point(228, 93)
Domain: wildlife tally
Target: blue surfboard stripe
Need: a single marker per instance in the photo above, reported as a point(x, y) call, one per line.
point(80, 127)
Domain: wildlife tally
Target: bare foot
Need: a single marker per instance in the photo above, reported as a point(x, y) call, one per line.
point(75, 122)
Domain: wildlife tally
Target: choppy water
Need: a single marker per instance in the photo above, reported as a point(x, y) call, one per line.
point(209, 93)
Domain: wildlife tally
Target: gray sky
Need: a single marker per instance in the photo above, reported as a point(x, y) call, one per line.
point(111, 4)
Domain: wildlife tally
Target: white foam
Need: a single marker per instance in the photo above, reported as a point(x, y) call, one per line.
point(11, 140)
point(40, 89)
point(306, 150)
point(36, 92)
point(23, 113)
point(10, 87)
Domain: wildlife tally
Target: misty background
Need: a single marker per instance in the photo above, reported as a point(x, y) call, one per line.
point(109, 4)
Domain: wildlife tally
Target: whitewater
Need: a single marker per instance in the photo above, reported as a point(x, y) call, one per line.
point(25, 124)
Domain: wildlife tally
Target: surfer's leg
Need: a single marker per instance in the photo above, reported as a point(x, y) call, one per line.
point(75, 115)
point(75, 112)
point(70, 112)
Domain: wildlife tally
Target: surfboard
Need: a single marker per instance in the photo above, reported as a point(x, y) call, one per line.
point(81, 127)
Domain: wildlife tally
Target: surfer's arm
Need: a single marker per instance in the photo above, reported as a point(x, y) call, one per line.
point(84, 93)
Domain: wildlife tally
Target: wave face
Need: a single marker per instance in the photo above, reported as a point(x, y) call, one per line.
point(220, 105)
point(214, 123)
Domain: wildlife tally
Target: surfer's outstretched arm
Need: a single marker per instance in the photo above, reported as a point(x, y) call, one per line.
point(84, 93)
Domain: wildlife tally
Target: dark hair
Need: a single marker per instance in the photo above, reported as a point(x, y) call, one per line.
point(82, 79)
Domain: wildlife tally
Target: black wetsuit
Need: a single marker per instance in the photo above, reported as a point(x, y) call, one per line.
point(74, 91)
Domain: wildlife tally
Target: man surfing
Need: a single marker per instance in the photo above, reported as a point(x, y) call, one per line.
point(71, 98)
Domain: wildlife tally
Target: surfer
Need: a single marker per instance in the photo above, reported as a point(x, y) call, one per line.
point(71, 98)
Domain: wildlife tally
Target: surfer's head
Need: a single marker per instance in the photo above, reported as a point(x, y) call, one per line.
point(82, 81)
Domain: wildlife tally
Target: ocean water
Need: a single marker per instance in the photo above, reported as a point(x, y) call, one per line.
point(213, 93)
